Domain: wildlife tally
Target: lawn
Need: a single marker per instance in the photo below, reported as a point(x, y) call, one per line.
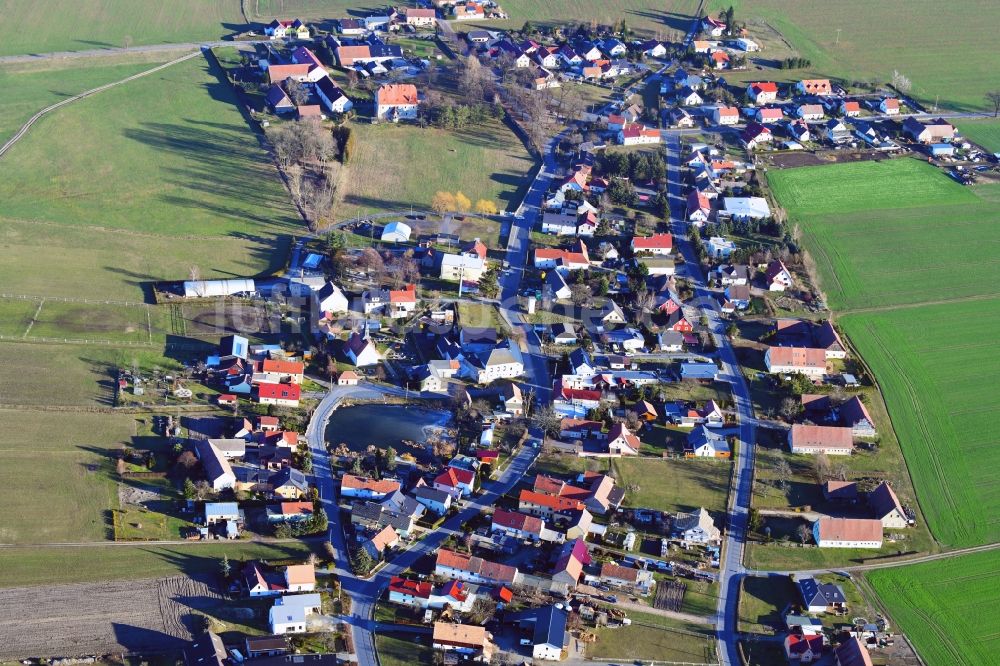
point(394, 651)
point(62, 459)
point(32, 86)
point(985, 133)
point(762, 601)
point(49, 565)
point(858, 40)
point(40, 26)
point(401, 166)
point(656, 638)
point(936, 366)
point(674, 485)
point(944, 607)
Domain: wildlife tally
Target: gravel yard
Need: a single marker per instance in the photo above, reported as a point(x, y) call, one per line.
point(99, 618)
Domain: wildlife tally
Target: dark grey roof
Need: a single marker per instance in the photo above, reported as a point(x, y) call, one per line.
point(290, 476)
point(431, 494)
point(212, 461)
point(403, 504)
point(548, 622)
point(207, 650)
point(579, 356)
point(815, 593)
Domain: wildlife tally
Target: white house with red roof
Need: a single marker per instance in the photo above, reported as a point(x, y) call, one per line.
point(622, 441)
point(889, 106)
point(726, 115)
point(282, 395)
point(699, 207)
point(575, 258)
point(762, 92)
point(456, 482)
point(516, 524)
point(777, 277)
point(635, 134)
point(402, 302)
point(713, 27)
point(304, 56)
point(657, 244)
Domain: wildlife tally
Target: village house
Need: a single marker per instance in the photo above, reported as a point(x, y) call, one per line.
point(803, 649)
point(548, 630)
point(852, 652)
point(814, 439)
point(286, 29)
point(810, 112)
point(332, 97)
point(517, 525)
point(218, 471)
point(657, 244)
point(634, 134)
point(397, 101)
point(847, 533)
point(713, 27)
point(456, 482)
point(777, 277)
point(419, 18)
point(547, 506)
point(689, 97)
point(696, 528)
point(282, 395)
point(755, 134)
point(470, 641)
point(726, 115)
point(472, 569)
point(631, 578)
point(357, 487)
point(289, 512)
point(796, 360)
point(887, 508)
point(767, 114)
point(820, 597)
point(569, 565)
point(290, 614)
point(889, 106)
point(361, 351)
point(854, 415)
point(814, 87)
point(383, 540)
point(933, 131)
point(705, 443)
point(436, 500)
point(330, 298)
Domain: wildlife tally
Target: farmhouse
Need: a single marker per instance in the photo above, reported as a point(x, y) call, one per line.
point(755, 134)
point(847, 533)
point(934, 131)
point(332, 97)
point(854, 415)
point(396, 101)
point(468, 640)
point(813, 439)
point(217, 469)
point(791, 360)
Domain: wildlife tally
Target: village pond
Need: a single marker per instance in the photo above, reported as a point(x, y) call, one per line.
point(407, 428)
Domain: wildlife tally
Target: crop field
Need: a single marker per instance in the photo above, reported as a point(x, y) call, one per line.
point(41, 26)
point(937, 366)
point(675, 485)
point(67, 457)
point(901, 224)
point(484, 162)
point(947, 608)
point(985, 133)
point(32, 86)
point(87, 618)
point(858, 40)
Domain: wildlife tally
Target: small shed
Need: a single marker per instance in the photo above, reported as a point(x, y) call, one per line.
point(942, 150)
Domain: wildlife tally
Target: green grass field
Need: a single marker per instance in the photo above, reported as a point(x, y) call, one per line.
point(51, 565)
point(32, 86)
point(985, 133)
point(41, 26)
point(63, 461)
point(936, 365)
point(946, 607)
point(901, 224)
point(859, 40)
point(393, 651)
point(484, 162)
point(675, 485)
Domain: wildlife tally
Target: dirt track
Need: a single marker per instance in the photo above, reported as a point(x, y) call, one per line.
point(99, 618)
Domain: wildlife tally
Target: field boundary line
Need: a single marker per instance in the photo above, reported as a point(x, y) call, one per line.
point(907, 306)
point(68, 299)
point(93, 91)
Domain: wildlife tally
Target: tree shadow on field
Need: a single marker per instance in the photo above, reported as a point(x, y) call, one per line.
point(106, 374)
point(674, 20)
point(142, 639)
point(141, 280)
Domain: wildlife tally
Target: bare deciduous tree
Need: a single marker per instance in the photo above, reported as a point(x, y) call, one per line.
point(993, 98)
point(297, 92)
point(900, 82)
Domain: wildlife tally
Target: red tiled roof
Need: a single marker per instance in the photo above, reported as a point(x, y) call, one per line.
point(279, 391)
point(764, 86)
point(850, 529)
point(408, 294)
point(412, 588)
point(282, 367)
point(398, 94)
point(797, 357)
point(656, 241)
point(609, 570)
point(517, 521)
point(553, 502)
point(296, 508)
point(278, 73)
point(384, 486)
point(814, 436)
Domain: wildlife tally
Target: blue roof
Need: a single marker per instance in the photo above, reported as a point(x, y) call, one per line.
point(234, 345)
point(579, 356)
point(699, 370)
point(222, 509)
point(312, 260)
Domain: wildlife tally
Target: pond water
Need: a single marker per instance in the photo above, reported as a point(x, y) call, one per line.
point(384, 425)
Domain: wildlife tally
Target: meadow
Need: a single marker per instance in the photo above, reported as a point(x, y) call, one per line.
point(945, 607)
point(859, 40)
point(900, 224)
point(484, 162)
point(41, 26)
point(655, 638)
point(936, 365)
point(32, 86)
point(65, 458)
point(985, 132)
